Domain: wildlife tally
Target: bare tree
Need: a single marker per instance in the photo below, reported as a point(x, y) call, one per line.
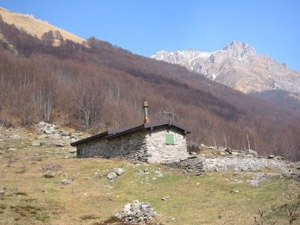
point(45, 95)
point(88, 100)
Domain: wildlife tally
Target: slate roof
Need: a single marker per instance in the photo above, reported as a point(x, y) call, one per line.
point(127, 130)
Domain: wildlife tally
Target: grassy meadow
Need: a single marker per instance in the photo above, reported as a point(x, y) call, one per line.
point(194, 198)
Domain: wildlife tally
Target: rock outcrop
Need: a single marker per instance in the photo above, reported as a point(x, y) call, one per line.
point(52, 131)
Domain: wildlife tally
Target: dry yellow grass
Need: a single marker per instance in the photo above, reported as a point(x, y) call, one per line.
point(92, 199)
point(34, 26)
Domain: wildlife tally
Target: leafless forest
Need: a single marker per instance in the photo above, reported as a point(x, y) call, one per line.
point(102, 86)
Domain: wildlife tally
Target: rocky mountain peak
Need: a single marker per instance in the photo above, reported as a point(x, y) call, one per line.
point(190, 50)
point(238, 49)
point(238, 66)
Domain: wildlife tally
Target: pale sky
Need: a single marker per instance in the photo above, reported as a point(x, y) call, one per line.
point(144, 27)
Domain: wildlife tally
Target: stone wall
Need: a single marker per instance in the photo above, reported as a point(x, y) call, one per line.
point(245, 163)
point(148, 146)
point(160, 152)
point(131, 146)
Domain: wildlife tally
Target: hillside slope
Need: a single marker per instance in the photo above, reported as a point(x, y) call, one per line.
point(281, 98)
point(37, 27)
point(102, 87)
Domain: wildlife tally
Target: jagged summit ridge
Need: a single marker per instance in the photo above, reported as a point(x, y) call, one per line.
point(239, 49)
point(236, 49)
point(238, 66)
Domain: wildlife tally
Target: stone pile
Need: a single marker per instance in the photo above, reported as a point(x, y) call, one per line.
point(203, 164)
point(48, 130)
point(136, 212)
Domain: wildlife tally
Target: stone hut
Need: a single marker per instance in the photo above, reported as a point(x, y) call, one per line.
point(158, 142)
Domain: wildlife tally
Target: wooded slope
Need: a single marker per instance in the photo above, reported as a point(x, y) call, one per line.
point(103, 86)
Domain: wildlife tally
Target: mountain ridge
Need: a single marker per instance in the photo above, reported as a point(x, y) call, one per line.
point(238, 66)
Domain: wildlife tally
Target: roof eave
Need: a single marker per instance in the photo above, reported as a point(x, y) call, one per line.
point(111, 134)
point(90, 138)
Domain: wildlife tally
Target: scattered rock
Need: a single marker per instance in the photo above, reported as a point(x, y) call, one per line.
point(49, 174)
point(66, 181)
point(297, 176)
point(42, 136)
point(53, 131)
point(271, 156)
point(257, 178)
point(11, 149)
point(252, 152)
point(136, 212)
point(111, 176)
point(2, 190)
point(228, 150)
point(165, 198)
point(15, 136)
point(52, 143)
point(35, 144)
point(51, 167)
point(47, 128)
point(1, 152)
point(235, 180)
point(159, 174)
point(279, 157)
point(119, 171)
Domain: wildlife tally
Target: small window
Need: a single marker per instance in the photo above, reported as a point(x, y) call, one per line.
point(169, 139)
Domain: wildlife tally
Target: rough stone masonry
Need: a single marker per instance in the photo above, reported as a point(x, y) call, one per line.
point(146, 145)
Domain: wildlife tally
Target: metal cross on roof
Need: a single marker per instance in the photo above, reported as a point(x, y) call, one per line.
point(169, 114)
